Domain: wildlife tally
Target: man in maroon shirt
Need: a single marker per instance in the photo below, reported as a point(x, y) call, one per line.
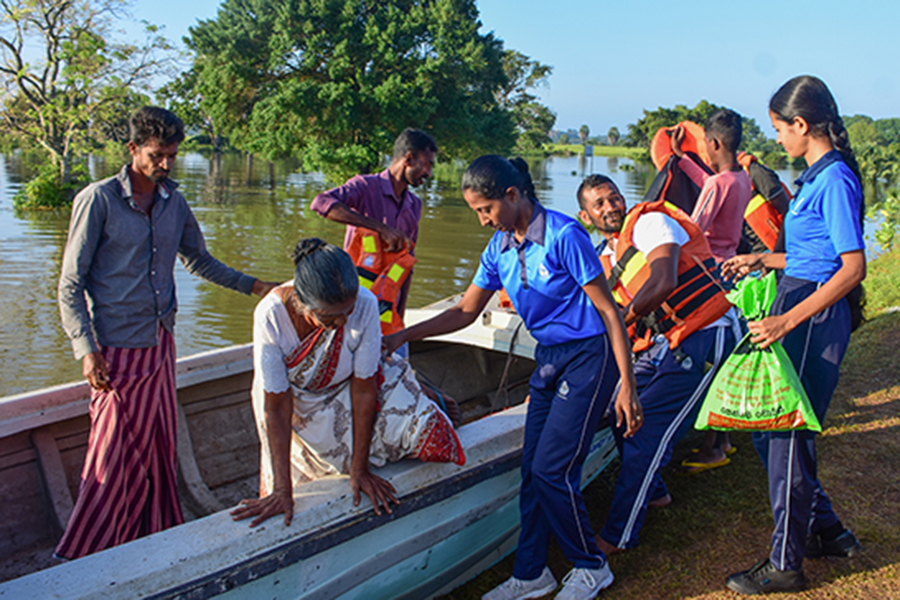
point(383, 202)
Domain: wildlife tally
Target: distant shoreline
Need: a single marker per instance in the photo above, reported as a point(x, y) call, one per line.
point(599, 150)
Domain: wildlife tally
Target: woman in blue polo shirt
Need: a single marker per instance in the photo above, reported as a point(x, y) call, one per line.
point(824, 259)
point(547, 265)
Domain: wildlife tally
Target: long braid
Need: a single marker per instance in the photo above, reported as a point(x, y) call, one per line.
point(840, 139)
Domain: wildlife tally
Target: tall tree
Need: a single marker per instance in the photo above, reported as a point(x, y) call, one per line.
point(333, 82)
point(583, 132)
point(64, 76)
point(612, 136)
point(180, 95)
point(533, 120)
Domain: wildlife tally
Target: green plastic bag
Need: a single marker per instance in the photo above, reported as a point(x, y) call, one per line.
point(756, 389)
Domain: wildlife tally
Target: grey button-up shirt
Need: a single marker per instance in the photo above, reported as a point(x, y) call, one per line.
point(117, 283)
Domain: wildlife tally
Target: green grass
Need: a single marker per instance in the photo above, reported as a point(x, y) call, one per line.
point(882, 283)
point(618, 151)
point(719, 521)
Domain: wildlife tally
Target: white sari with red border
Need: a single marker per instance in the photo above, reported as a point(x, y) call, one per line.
point(318, 370)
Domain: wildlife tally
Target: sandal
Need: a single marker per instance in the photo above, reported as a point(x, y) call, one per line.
point(689, 467)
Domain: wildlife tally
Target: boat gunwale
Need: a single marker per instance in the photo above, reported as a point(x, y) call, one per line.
point(141, 569)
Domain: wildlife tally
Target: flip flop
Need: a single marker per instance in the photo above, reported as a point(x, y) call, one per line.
point(689, 467)
point(728, 452)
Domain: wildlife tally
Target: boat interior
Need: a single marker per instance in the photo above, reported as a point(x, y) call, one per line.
point(43, 435)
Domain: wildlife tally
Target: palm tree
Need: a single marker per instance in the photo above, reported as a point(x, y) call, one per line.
point(583, 133)
point(612, 135)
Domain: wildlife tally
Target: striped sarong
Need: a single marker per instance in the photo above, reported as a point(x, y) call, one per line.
point(129, 486)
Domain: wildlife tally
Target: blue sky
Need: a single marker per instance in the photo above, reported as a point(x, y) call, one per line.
point(611, 60)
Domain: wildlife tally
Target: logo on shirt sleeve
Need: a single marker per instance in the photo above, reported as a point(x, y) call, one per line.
point(543, 272)
point(563, 389)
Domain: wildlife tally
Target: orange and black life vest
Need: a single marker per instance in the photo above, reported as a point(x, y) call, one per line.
point(383, 273)
point(765, 212)
point(696, 301)
point(671, 183)
point(694, 143)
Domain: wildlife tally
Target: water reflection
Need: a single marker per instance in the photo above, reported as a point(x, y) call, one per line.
point(252, 213)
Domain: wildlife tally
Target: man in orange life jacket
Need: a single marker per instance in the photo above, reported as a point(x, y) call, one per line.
point(383, 202)
point(658, 265)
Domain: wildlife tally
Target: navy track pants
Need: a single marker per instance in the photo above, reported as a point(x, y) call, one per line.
point(671, 392)
point(816, 348)
point(571, 389)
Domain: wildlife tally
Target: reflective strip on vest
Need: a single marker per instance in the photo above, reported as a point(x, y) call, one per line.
point(696, 300)
point(381, 272)
point(395, 272)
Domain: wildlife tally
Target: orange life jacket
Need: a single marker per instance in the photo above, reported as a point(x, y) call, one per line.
point(696, 301)
point(765, 212)
point(694, 141)
point(383, 273)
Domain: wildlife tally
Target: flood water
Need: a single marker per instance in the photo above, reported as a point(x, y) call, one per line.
point(251, 216)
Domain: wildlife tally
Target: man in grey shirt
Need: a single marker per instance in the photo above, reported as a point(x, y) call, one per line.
point(117, 301)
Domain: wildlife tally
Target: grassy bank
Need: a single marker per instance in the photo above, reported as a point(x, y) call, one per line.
point(616, 151)
point(720, 523)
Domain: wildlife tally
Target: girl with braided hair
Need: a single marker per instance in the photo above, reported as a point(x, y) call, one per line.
point(824, 260)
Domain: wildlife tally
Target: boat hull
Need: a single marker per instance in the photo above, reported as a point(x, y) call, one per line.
point(453, 521)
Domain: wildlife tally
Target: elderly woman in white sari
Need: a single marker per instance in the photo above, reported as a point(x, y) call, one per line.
point(325, 399)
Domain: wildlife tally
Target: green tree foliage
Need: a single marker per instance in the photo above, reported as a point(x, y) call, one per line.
point(612, 136)
point(180, 95)
point(66, 83)
point(876, 144)
point(533, 120)
point(753, 140)
point(583, 132)
point(333, 82)
point(641, 133)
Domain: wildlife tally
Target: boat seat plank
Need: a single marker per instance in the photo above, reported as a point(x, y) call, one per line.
point(195, 495)
point(54, 476)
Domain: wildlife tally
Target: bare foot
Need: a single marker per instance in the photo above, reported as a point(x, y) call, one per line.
point(607, 548)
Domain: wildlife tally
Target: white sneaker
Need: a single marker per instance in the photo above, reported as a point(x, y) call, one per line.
point(520, 589)
point(585, 584)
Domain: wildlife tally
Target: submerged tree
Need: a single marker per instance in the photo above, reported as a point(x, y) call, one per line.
point(334, 82)
point(64, 78)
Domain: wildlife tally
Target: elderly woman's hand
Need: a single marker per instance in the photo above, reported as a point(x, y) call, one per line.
point(276, 503)
point(380, 491)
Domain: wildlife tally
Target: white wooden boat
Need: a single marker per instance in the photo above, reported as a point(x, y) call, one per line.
point(452, 523)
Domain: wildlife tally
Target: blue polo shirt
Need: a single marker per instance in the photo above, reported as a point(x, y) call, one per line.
point(544, 275)
point(822, 221)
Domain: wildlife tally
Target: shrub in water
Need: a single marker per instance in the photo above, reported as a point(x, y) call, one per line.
point(46, 191)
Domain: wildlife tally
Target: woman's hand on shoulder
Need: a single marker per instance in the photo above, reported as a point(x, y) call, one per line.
point(380, 491)
point(276, 503)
